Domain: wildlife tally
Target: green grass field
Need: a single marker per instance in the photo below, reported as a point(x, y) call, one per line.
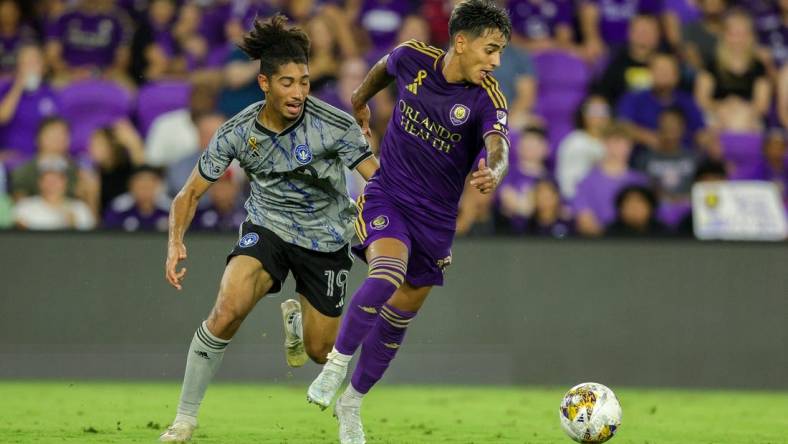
point(91, 412)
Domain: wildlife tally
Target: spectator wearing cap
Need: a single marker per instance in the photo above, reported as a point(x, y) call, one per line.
point(51, 208)
point(144, 208)
point(594, 203)
point(581, 149)
point(25, 101)
point(635, 214)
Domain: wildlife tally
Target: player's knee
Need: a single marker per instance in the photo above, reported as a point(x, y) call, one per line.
point(225, 319)
point(318, 350)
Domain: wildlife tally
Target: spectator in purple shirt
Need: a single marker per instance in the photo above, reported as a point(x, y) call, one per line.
point(144, 208)
point(640, 110)
point(605, 23)
point(224, 212)
point(93, 37)
point(515, 194)
point(13, 36)
point(594, 202)
point(539, 25)
point(25, 101)
point(628, 68)
point(551, 218)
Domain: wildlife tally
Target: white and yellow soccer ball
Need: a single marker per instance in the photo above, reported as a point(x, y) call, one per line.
point(590, 413)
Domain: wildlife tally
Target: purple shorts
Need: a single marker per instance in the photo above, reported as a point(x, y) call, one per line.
point(429, 249)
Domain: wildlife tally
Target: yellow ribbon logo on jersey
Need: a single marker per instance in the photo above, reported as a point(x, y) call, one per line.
point(414, 87)
point(253, 143)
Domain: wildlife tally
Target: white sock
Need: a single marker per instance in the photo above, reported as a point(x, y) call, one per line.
point(205, 357)
point(338, 360)
point(180, 417)
point(352, 396)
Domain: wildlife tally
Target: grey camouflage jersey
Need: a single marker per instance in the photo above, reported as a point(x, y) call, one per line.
point(297, 177)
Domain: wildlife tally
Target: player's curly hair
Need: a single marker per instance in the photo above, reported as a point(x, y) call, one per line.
point(476, 17)
point(274, 43)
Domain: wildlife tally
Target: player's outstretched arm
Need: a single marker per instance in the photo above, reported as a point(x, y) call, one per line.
point(181, 214)
point(492, 170)
point(377, 78)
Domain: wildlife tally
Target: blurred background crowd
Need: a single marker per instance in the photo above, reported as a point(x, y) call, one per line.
point(617, 107)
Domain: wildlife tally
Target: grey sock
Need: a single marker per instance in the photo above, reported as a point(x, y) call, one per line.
point(205, 357)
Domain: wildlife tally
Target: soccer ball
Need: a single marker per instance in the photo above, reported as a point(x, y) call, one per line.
point(590, 413)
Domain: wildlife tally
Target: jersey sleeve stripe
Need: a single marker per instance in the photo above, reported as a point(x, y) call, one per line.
point(491, 93)
point(423, 48)
point(497, 89)
point(495, 94)
point(202, 173)
point(330, 120)
point(331, 112)
point(362, 158)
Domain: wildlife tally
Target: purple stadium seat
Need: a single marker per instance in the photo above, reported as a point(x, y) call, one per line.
point(742, 149)
point(563, 79)
point(91, 104)
point(155, 99)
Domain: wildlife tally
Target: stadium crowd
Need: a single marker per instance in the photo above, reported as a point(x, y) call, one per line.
point(616, 106)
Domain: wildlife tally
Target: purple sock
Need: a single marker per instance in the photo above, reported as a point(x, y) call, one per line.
point(385, 276)
point(380, 347)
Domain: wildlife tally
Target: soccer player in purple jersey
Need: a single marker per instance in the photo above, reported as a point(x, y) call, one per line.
point(448, 107)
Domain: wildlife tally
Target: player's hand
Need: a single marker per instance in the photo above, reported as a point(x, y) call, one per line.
point(483, 179)
point(363, 115)
point(176, 252)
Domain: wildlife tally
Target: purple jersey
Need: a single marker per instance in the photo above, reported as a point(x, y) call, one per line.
point(615, 15)
point(89, 39)
point(121, 216)
point(597, 192)
point(382, 19)
point(436, 131)
point(535, 19)
point(19, 133)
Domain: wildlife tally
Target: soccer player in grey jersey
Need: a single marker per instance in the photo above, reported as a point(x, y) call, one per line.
point(294, 148)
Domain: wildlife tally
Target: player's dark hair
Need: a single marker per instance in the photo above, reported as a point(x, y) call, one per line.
point(477, 17)
point(275, 44)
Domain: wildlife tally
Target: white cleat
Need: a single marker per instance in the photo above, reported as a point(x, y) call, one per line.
point(294, 346)
point(179, 432)
point(351, 431)
point(325, 386)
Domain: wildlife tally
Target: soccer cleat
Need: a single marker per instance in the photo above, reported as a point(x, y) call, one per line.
point(326, 385)
point(351, 431)
point(294, 346)
point(178, 432)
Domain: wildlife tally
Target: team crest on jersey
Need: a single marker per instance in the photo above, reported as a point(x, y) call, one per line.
point(249, 240)
point(459, 114)
point(379, 223)
point(302, 154)
point(414, 87)
point(501, 115)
